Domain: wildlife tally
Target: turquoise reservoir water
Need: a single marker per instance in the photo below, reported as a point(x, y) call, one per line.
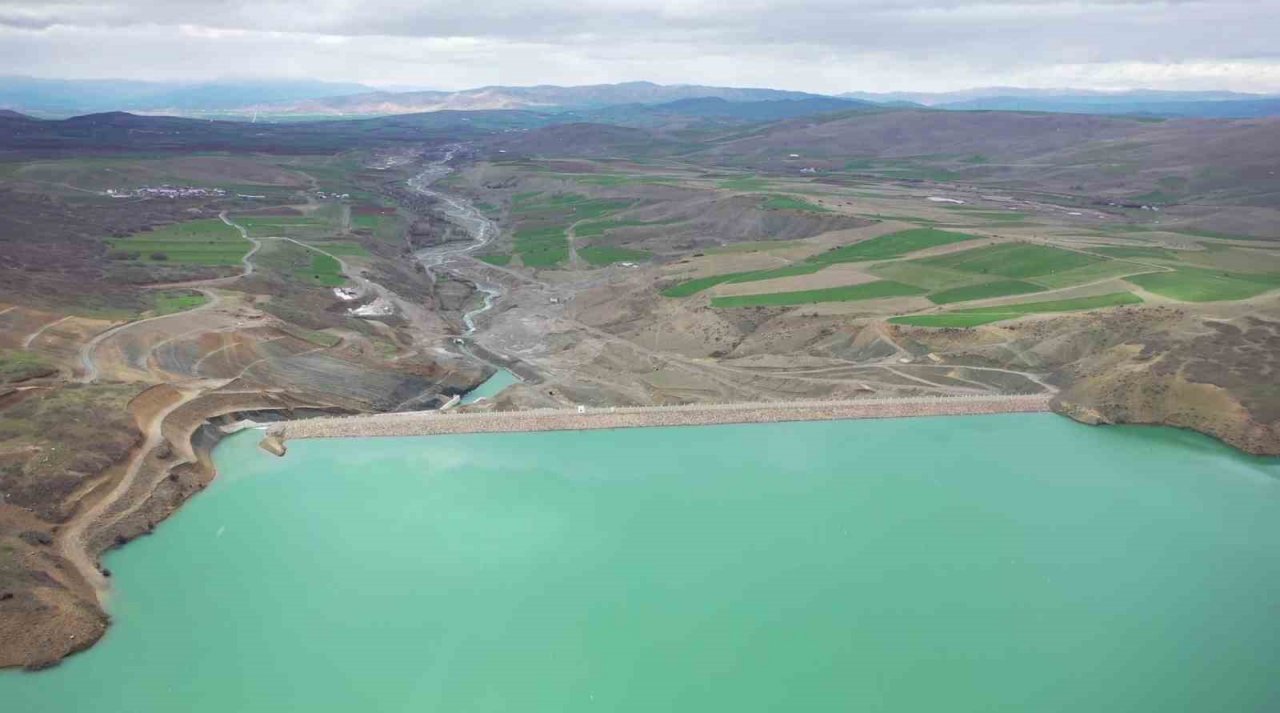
point(500, 380)
point(994, 563)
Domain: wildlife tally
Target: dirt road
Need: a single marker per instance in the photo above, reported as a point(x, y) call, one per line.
point(73, 538)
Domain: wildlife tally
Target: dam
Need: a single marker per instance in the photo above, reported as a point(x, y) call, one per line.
point(583, 418)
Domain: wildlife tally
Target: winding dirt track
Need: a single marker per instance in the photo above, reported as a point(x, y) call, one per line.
point(90, 367)
point(72, 540)
point(87, 362)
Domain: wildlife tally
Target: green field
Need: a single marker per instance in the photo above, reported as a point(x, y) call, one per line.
point(1220, 236)
point(1096, 272)
point(851, 293)
point(986, 290)
point(1013, 260)
point(542, 247)
point(290, 226)
point(369, 221)
point(892, 245)
point(1123, 251)
point(495, 258)
point(932, 278)
point(995, 216)
point(605, 255)
point(694, 286)
point(569, 207)
point(540, 237)
point(197, 242)
point(983, 315)
point(1197, 285)
point(746, 183)
point(173, 301)
point(384, 227)
point(791, 203)
point(325, 271)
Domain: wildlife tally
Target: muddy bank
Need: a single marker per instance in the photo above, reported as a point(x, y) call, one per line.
point(1233, 427)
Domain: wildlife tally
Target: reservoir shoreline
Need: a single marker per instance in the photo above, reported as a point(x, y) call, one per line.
point(426, 423)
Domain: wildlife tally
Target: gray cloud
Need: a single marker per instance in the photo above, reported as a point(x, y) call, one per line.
point(827, 45)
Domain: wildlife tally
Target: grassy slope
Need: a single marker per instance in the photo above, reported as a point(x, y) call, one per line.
point(196, 242)
point(606, 255)
point(325, 271)
point(864, 291)
point(791, 203)
point(983, 315)
point(892, 245)
point(1013, 260)
point(986, 290)
point(1197, 285)
point(694, 286)
point(546, 243)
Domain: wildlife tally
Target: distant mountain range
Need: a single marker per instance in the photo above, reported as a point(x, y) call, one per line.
point(1095, 95)
point(1210, 104)
point(287, 99)
point(69, 97)
point(545, 97)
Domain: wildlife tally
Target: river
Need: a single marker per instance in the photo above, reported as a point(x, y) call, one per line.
point(1009, 562)
point(483, 232)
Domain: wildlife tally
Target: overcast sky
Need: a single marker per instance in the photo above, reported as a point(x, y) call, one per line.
point(814, 45)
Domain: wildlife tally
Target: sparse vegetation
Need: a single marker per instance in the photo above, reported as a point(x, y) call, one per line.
point(343, 249)
point(178, 301)
point(595, 228)
point(606, 255)
point(314, 336)
point(19, 365)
